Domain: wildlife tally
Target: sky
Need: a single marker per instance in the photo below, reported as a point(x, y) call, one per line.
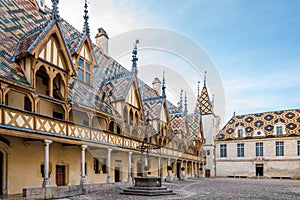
point(254, 45)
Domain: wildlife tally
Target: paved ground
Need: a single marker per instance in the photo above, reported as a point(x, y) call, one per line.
point(214, 188)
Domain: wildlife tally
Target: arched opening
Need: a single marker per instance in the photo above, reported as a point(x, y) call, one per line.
point(79, 117)
point(58, 88)
point(125, 114)
point(136, 118)
point(18, 100)
point(135, 133)
point(1, 171)
point(42, 81)
point(111, 127)
point(131, 116)
point(99, 122)
point(119, 129)
point(50, 109)
point(126, 130)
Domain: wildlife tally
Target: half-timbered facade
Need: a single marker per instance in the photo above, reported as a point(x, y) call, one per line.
point(71, 115)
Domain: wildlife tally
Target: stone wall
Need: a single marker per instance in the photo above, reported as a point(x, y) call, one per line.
point(65, 191)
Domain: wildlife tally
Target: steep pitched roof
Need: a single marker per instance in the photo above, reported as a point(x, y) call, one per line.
point(265, 121)
point(17, 18)
point(117, 88)
point(203, 102)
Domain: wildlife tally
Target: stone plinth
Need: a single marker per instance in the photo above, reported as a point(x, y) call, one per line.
point(148, 181)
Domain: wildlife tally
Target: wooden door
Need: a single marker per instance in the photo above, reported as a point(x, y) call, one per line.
point(207, 173)
point(117, 174)
point(60, 175)
point(1, 172)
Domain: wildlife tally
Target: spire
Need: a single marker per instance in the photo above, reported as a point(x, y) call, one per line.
point(55, 14)
point(134, 57)
point(185, 104)
point(86, 28)
point(198, 88)
point(205, 78)
point(203, 104)
point(180, 102)
point(163, 86)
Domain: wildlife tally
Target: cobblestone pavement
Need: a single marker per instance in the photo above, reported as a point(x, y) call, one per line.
point(214, 188)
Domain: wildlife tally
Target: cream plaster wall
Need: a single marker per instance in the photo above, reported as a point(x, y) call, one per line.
point(274, 166)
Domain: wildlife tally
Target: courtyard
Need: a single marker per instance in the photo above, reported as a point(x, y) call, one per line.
point(214, 188)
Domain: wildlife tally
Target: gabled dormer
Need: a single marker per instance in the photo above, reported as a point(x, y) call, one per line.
point(83, 54)
point(85, 61)
point(46, 61)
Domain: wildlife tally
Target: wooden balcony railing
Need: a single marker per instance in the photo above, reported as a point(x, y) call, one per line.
point(32, 121)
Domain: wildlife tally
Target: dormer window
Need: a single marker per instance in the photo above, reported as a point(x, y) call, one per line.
point(279, 129)
point(85, 65)
point(240, 133)
point(84, 70)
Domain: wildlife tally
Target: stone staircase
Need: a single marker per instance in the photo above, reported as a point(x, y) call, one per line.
point(147, 191)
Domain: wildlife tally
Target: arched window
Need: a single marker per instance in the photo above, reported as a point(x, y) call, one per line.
point(42, 81)
point(136, 118)
point(111, 127)
point(125, 114)
point(131, 116)
point(58, 87)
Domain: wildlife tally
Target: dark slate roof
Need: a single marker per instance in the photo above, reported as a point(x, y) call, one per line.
point(264, 121)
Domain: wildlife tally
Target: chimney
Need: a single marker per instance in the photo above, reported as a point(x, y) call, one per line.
point(102, 40)
point(156, 85)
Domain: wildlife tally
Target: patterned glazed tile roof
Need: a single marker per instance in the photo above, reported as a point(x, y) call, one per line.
point(21, 28)
point(83, 94)
point(194, 125)
point(177, 123)
point(203, 102)
point(153, 108)
point(265, 121)
point(147, 91)
point(17, 18)
point(117, 88)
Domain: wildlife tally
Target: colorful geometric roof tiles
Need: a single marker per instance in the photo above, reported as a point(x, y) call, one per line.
point(264, 122)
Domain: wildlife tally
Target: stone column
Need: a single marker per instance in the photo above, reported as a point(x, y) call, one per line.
point(192, 169)
point(108, 180)
point(168, 164)
point(46, 182)
point(82, 180)
point(186, 169)
point(159, 166)
point(175, 170)
point(129, 167)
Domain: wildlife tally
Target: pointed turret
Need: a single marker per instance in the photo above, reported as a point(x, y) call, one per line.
point(203, 103)
point(134, 57)
point(180, 101)
point(185, 104)
point(163, 87)
point(55, 13)
point(86, 28)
